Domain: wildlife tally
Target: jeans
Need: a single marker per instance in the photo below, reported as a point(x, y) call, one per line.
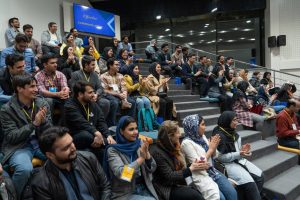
point(258, 120)
point(104, 104)
point(142, 102)
point(227, 191)
point(290, 142)
point(20, 161)
point(141, 193)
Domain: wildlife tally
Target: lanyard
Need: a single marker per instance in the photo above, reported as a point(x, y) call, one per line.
point(289, 116)
point(227, 133)
point(26, 113)
point(87, 112)
point(86, 78)
point(51, 82)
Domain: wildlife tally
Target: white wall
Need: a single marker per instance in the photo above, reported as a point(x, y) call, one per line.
point(38, 13)
point(282, 17)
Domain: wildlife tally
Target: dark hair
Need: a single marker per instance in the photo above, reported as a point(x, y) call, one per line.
point(266, 74)
point(127, 121)
point(68, 35)
point(27, 26)
point(121, 52)
point(219, 57)
point(191, 55)
point(185, 48)
point(21, 81)
point(201, 57)
point(125, 37)
point(20, 37)
point(242, 85)
point(87, 60)
point(49, 136)
point(45, 58)
point(86, 50)
point(65, 51)
point(164, 45)
point(264, 82)
point(72, 29)
point(12, 59)
point(50, 24)
point(256, 73)
point(80, 86)
point(228, 58)
point(200, 119)
point(246, 70)
point(110, 62)
point(291, 102)
point(11, 20)
point(177, 46)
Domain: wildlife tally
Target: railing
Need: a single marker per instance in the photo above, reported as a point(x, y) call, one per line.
point(279, 77)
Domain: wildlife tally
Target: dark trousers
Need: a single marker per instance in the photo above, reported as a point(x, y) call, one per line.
point(251, 191)
point(48, 50)
point(186, 193)
point(165, 108)
point(187, 82)
point(202, 85)
point(290, 142)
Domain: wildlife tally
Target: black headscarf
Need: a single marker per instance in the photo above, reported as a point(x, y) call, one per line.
point(152, 70)
point(241, 91)
point(105, 52)
point(135, 78)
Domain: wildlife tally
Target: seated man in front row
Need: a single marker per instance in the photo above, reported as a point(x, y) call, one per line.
point(23, 119)
point(287, 127)
point(68, 174)
point(86, 120)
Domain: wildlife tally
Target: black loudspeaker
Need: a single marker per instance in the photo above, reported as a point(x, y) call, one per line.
point(253, 52)
point(272, 41)
point(281, 40)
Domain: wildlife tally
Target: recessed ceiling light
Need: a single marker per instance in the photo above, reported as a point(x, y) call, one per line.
point(220, 39)
point(158, 17)
point(206, 24)
point(214, 10)
point(161, 36)
point(242, 38)
point(167, 29)
point(191, 43)
point(230, 40)
point(252, 39)
point(248, 21)
point(247, 29)
point(170, 35)
point(202, 32)
point(223, 32)
point(180, 35)
point(235, 29)
point(213, 31)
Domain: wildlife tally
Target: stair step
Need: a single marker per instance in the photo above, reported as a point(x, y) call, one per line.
point(276, 163)
point(202, 111)
point(209, 119)
point(179, 92)
point(183, 98)
point(176, 86)
point(249, 136)
point(284, 186)
point(262, 147)
point(193, 104)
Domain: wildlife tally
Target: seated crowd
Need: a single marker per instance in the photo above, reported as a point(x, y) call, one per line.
point(60, 100)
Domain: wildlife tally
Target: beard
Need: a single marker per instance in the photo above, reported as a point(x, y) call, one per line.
point(70, 159)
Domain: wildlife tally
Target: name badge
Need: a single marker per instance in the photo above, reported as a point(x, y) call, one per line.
point(52, 89)
point(115, 87)
point(127, 173)
point(220, 84)
point(294, 127)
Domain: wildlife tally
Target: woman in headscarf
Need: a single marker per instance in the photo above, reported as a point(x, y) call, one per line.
point(195, 146)
point(91, 51)
point(124, 61)
point(230, 83)
point(157, 87)
point(243, 76)
point(248, 177)
point(216, 88)
point(172, 178)
point(68, 62)
point(135, 85)
point(242, 106)
point(286, 92)
point(129, 164)
point(107, 53)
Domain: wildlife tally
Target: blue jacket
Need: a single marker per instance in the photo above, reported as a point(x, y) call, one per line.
point(10, 35)
point(28, 55)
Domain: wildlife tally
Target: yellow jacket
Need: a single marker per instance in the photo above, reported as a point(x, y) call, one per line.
point(140, 86)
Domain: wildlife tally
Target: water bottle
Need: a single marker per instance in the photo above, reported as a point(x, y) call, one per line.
point(3, 191)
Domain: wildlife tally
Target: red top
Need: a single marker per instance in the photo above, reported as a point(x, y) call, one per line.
point(284, 123)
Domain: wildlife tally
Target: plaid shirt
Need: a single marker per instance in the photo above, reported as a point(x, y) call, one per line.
point(243, 114)
point(107, 81)
point(45, 82)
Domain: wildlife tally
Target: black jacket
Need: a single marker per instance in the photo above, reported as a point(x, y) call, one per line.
point(46, 184)
point(76, 118)
point(5, 82)
point(161, 57)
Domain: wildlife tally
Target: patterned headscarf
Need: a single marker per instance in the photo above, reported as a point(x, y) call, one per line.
point(191, 129)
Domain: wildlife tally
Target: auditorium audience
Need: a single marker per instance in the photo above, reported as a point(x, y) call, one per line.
point(195, 146)
point(151, 50)
point(124, 61)
point(177, 56)
point(115, 43)
point(12, 31)
point(287, 126)
point(286, 92)
point(230, 83)
point(221, 62)
point(229, 64)
point(86, 120)
point(21, 47)
point(130, 154)
point(173, 179)
point(51, 40)
point(126, 45)
point(164, 59)
point(89, 75)
point(69, 41)
point(68, 174)
point(247, 177)
point(68, 62)
point(115, 87)
point(91, 51)
point(243, 76)
point(185, 52)
point(157, 85)
point(33, 44)
point(77, 40)
point(107, 54)
point(255, 80)
point(23, 120)
point(136, 87)
point(14, 66)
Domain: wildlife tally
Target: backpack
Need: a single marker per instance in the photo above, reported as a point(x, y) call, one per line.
point(147, 120)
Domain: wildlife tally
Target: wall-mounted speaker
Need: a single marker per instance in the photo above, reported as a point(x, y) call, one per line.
point(272, 41)
point(281, 40)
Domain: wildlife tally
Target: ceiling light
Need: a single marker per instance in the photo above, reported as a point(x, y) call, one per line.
point(214, 10)
point(249, 21)
point(230, 40)
point(180, 35)
point(223, 32)
point(167, 29)
point(252, 39)
point(161, 36)
point(247, 29)
point(242, 38)
point(220, 39)
point(206, 24)
point(235, 29)
point(213, 31)
point(170, 35)
point(191, 43)
point(158, 17)
point(202, 32)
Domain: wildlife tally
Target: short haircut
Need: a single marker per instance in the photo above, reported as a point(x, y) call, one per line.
point(21, 38)
point(45, 58)
point(185, 48)
point(12, 59)
point(87, 60)
point(177, 46)
point(72, 29)
point(27, 26)
point(121, 52)
point(79, 86)
point(164, 45)
point(11, 20)
point(21, 81)
point(125, 37)
point(49, 136)
point(191, 55)
point(110, 62)
point(291, 102)
point(228, 58)
point(219, 57)
point(256, 73)
point(50, 24)
point(201, 57)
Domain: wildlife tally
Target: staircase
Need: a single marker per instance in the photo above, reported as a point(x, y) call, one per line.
point(281, 169)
